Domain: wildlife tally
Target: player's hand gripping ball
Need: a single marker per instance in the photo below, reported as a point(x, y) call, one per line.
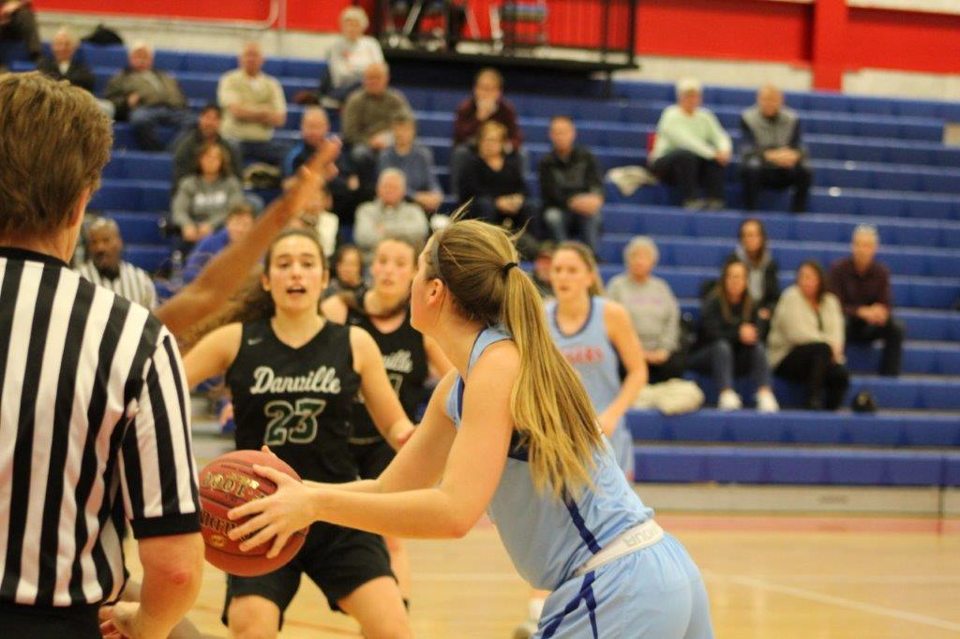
point(230, 481)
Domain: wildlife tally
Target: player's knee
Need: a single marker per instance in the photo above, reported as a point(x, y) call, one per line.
point(250, 618)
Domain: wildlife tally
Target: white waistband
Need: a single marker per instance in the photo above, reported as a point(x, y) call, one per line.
point(637, 538)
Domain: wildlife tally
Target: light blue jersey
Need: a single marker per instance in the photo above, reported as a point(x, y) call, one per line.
point(593, 356)
point(548, 539)
point(653, 593)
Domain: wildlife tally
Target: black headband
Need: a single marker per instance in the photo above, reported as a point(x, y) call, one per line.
point(506, 268)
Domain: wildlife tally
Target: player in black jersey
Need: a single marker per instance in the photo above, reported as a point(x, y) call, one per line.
point(409, 357)
point(294, 376)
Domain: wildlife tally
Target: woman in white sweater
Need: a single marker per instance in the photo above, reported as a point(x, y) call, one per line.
point(806, 339)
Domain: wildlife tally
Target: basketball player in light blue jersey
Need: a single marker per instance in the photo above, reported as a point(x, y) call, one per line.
point(510, 431)
point(595, 335)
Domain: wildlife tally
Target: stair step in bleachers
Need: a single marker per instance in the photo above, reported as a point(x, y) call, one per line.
point(920, 292)
point(662, 220)
point(782, 465)
point(797, 428)
point(676, 250)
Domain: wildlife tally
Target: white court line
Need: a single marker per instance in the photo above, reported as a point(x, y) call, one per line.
point(842, 602)
point(938, 580)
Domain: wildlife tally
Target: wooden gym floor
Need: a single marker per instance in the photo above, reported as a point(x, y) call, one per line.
point(783, 577)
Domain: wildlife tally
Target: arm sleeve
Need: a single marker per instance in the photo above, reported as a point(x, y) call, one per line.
point(365, 230)
point(180, 206)
point(469, 180)
point(718, 134)
point(748, 143)
point(279, 99)
point(116, 93)
point(794, 324)
point(512, 123)
point(771, 285)
point(670, 340)
point(886, 293)
point(84, 78)
point(837, 286)
point(158, 477)
point(712, 324)
point(351, 119)
point(465, 123)
point(226, 96)
point(549, 191)
point(516, 182)
point(431, 169)
point(834, 324)
point(594, 176)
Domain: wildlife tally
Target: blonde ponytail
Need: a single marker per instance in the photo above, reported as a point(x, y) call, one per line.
point(549, 405)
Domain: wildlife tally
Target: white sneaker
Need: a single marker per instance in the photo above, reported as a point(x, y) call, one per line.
point(729, 400)
point(767, 402)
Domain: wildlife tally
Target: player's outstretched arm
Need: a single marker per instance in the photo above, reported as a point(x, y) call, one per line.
point(227, 271)
point(471, 475)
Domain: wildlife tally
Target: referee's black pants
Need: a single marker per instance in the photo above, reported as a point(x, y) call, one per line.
point(49, 622)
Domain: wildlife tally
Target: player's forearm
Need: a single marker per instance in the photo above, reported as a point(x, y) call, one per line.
point(631, 387)
point(359, 486)
point(429, 513)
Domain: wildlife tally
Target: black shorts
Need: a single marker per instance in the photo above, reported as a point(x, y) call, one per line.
point(339, 560)
point(372, 459)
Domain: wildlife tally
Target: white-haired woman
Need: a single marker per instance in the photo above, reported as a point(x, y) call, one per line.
point(351, 54)
point(691, 149)
point(653, 309)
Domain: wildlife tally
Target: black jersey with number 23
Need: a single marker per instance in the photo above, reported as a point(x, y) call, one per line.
point(297, 401)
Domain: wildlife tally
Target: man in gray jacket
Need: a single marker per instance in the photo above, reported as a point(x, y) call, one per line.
point(147, 98)
point(773, 154)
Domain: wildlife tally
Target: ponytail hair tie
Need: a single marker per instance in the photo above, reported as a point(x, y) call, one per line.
point(506, 268)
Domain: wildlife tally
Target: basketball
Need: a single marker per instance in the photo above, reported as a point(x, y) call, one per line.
point(230, 481)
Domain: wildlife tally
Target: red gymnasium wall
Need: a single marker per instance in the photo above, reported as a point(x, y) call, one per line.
point(824, 35)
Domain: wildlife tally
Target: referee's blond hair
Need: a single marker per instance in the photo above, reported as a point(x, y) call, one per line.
point(54, 141)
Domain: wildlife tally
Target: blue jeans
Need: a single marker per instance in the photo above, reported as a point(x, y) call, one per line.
point(565, 224)
point(145, 120)
point(725, 363)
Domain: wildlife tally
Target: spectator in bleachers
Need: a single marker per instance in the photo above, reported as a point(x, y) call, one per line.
point(347, 275)
point(147, 98)
point(731, 344)
point(18, 23)
point(494, 181)
point(487, 104)
point(571, 187)
point(368, 116)
point(207, 131)
point(653, 309)
point(762, 280)
point(238, 223)
point(806, 339)
point(691, 149)
point(316, 216)
point(107, 268)
point(345, 188)
point(863, 286)
point(389, 215)
point(541, 269)
point(204, 198)
point(772, 150)
point(253, 107)
point(351, 54)
point(416, 163)
point(63, 64)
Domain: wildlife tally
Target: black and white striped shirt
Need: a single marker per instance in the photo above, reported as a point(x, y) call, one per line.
point(131, 282)
point(94, 430)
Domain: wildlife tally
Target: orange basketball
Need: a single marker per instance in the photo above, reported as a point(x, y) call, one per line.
point(230, 481)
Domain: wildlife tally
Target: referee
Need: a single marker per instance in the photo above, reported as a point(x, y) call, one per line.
point(94, 422)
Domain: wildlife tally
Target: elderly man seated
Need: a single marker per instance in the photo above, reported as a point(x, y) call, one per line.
point(691, 149)
point(772, 151)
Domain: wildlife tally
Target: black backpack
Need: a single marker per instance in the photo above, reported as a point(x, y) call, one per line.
point(103, 36)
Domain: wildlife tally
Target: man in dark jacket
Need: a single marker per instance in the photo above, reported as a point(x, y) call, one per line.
point(64, 65)
point(207, 131)
point(773, 154)
point(863, 287)
point(147, 97)
point(571, 187)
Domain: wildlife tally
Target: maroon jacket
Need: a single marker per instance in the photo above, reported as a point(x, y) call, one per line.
point(856, 290)
point(466, 125)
